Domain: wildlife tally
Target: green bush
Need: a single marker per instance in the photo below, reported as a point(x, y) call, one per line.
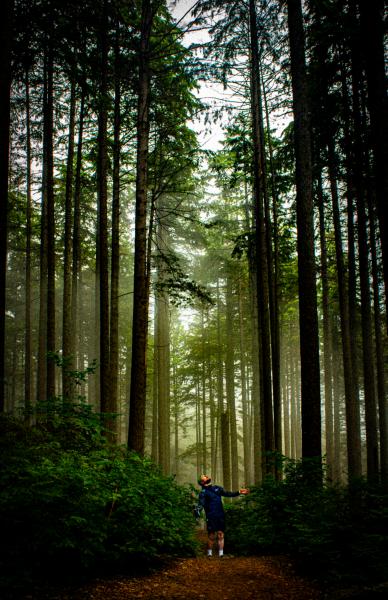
point(334, 533)
point(69, 498)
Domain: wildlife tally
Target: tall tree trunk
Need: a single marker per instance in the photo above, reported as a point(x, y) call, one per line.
point(225, 449)
point(261, 238)
point(244, 395)
point(140, 293)
point(308, 320)
point(102, 208)
point(203, 389)
point(274, 290)
point(28, 332)
point(48, 142)
point(256, 371)
point(220, 377)
point(176, 422)
point(372, 34)
point(338, 467)
point(5, 90)
point(67, 323)
point(115, 257)
point(329, 427)
point(351, 396)
point(41, 388)
point(366, 319)
point(229, 380)
point(286, 406)
point(163, 352)
point(76, 258)
point(367, 346)
point(155, 409)
point(381, 390)
point(326, 334)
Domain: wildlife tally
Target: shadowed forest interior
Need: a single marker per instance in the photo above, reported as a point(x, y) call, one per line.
point(193, 267)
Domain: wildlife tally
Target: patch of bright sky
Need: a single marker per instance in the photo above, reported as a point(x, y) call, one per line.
point(209, 135)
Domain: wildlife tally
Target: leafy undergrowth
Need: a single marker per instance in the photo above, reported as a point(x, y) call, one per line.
point(335, 534)
point(72, 504)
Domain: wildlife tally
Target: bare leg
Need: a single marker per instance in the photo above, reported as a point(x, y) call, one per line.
point(220, 536)
point(210, 543)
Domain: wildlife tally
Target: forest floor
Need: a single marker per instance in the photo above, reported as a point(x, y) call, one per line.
point(227, 578)
point(248, 578)
point(200, 578)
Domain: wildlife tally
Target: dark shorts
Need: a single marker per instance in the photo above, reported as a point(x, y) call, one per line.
point(215, 524)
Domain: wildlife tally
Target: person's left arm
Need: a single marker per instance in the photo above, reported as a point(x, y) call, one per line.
point(242, 491)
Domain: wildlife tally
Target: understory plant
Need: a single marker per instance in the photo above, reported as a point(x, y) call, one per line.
point(334, 533)
point(70, 502)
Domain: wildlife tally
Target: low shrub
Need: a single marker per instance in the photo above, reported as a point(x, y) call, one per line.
point(334, 533)
point(70, 502)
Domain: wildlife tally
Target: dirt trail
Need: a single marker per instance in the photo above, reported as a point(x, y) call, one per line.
point(248, 578)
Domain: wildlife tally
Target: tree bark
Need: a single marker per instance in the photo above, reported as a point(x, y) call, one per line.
point(308, 320)
point(261, 240)
point(329, 425)
point(372, 34)
point(67, 323)
point(351, 396)
point(102, 210)
point(76, 257)
point(49, 152)
point(5, 90)
point(163, 354)
point(229, 380)
point(28, 332)
point(381, 390)
point(113, 407)
point(140, 293)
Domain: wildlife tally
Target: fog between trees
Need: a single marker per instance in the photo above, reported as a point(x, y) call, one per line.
point(231, 303)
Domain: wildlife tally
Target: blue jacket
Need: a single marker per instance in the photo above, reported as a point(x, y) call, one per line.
point(210, 500)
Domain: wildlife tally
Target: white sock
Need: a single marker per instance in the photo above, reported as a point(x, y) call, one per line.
point(220, 553)
point(210, 552)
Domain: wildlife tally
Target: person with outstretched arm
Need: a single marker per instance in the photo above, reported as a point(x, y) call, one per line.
point(210, 500)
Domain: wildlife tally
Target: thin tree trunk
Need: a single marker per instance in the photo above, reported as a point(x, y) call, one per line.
point(140, 294)
point(163, 367)
point(76, 258)
point(203, 387)
point(308, 320)
point(274, 291)
point(28, 333)
point(367, 346)
point(48, 142)
point(5, 89)
point(381, 390)
point(229, 380)
point(329, 432)
point(338, 467)
point(220, 376)
point(155, 410)
point(366, 319)
point(351, 396)
point(372, 32)
point(115, 257)
point(262, 250)
point(102, 208)
point(176, 423)
point(67, 322)
point(225, 449)
point(244, 398)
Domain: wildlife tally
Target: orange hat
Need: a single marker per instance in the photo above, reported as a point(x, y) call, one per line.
point(204, 480)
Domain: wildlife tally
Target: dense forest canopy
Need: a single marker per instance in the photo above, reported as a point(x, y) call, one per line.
point(214, 303)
